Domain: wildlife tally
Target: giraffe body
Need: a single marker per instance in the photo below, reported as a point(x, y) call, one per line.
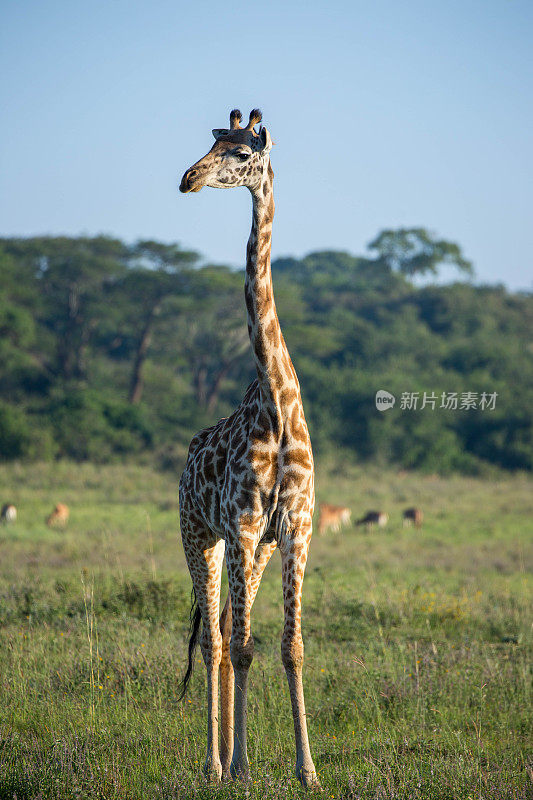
point(246, 467)
point(248, 485)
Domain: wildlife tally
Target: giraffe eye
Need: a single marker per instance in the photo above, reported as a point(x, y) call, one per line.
point(242, 155)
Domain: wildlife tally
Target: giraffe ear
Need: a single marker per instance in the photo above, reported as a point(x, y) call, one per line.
point(266, 141)
point(217, 132)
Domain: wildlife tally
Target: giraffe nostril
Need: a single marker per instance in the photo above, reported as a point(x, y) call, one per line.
point(188, 179)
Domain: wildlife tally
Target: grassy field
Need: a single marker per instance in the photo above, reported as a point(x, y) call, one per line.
point(418, 643)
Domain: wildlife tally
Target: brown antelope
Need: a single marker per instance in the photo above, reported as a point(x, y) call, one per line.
point(59, 516)
point(8, 513)
point(372, 518)
point(413, 516)
point(332, 517)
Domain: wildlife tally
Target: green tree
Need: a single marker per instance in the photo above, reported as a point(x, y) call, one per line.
point(157, 273)
point(86, 323)
point(415, 251)
point(71, 275)
point(213, 341)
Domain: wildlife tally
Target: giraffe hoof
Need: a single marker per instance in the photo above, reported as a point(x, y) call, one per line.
point(240, 771)
point(212, 771)
point(308, 778)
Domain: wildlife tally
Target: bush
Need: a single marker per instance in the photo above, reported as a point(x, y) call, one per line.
point(88, 426)
point(22, 436)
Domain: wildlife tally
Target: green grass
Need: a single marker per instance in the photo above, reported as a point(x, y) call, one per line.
point(418, 643)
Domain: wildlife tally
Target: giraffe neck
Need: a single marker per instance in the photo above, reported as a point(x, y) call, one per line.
point(275, 371)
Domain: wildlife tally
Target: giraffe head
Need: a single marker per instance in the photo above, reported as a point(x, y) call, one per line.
point(238, 157)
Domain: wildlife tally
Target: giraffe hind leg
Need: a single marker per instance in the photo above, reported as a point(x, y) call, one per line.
point(293, 561)
point(227, 686)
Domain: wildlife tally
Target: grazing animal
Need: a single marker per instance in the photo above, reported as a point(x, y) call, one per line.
point(372, 518)
point(59, 516)
point(8, 513)
point(248, 485)
point(413, 516)
point(332, 517)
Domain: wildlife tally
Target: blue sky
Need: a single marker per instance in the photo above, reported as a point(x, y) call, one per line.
point(385, 114)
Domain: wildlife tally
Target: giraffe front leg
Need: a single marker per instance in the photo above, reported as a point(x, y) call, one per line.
point(293, 561)
point(226, 691)
point(239, 561)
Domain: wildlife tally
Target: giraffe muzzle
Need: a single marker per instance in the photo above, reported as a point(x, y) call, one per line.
point(189, 182)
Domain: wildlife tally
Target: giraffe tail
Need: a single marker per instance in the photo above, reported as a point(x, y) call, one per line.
point(195, 618)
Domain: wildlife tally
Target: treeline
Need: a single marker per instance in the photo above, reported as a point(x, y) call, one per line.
point(111, 351)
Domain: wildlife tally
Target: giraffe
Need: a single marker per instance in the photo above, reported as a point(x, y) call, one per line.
point(248, 484)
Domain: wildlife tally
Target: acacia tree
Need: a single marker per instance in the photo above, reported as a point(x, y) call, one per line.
point(19, 354)
point(70, 275)
point(416, 251)
point(213, 338)
point(157, 273)
point(217, 343)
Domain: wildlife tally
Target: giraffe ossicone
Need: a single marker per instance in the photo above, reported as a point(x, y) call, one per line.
point(248, 485)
